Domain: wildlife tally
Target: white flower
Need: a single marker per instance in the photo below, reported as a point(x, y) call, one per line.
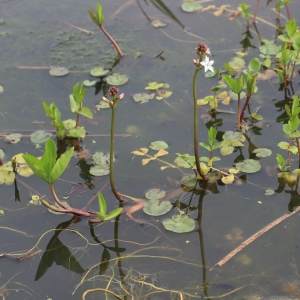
point(207, 64)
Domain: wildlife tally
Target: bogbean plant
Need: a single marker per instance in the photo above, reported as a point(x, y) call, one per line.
point(69, 127)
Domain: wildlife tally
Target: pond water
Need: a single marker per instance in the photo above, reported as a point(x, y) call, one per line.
point(78, 261)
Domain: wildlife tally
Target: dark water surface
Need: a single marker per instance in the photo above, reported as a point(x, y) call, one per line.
point(148, 261)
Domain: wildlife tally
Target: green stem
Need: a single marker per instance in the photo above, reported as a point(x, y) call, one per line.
point(196, 149)
point(111, 156)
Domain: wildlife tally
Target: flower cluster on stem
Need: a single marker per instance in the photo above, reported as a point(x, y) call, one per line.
point(113, 93)
point(203, 60)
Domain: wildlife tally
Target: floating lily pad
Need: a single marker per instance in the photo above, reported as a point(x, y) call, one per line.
point(99, 71)
point(257, 117)
point(99, 170)
point(155, 194)
point(249, 166)
point(157, 145)
point(157, 208)
point(163, 95)
point(262, 152)
point(142, 97)
point(231, 135)
point(2, 154)
point(89, 82)
point(228, 179)
point(189, 180)
point(117, 79)
point(189, 6)
point(179, 224)
point(13, 138)
point(237, 64)
point(40, 136)
point(102, 105)
point(58, 71)
point(1, 212)
point(24, 170)
point(158, 23)
point(99, 158)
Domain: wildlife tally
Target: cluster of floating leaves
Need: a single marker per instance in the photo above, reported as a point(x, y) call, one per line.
point(160, 88)
point(101, 164)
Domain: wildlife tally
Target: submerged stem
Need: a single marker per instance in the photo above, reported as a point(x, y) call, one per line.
point(196, 150)
point(111, 155)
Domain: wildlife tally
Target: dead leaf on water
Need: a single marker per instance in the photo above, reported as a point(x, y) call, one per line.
point(208, 7)
point(233, 15)
point(161, 152)
point(220, 10)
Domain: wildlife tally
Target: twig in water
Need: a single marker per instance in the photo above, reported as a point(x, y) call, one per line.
point(253, 238)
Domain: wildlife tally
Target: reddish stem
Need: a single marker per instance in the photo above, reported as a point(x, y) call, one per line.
point(112, 40)
point(256, 10)
point(288, 11)
point(244, 108)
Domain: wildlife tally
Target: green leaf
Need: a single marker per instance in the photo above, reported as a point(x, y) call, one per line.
point(205, 146)
point(49, 157)
point(188, 6)
point(157, 208)
point(102, 216)
point(212, 134)
point(93, 16)
point(179, 224)
point(100, 16)
point(89, 82)
point(58, 71)
point(69, 124)
point(78, 132)
point(85, 111)
point(249, 166)
point(142, 97)
point(99, 170)
point(40, 136)
point(13, 138)
point(102, 203)
point(262, 152)
point(291, 27)
point(61, 165)
point(157, 145)
point(155, 194)
point(116, 79)
point(73, 104)
point(99, 71)
point(254, 65)
point(2, 154)
point(114, 213)
point(36, 166)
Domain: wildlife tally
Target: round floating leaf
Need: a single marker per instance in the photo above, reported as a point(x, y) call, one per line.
point(237, 64)
point(78, 132)
point(158, 23)
point(89, 82)
point(58, 71)
point(117, 79)
point(100, 159)
point(262, 152)
point(191, 6)
point(157, 145)
point(69, 124)
point(7, 176)
point(226, 150)
point(179, 224)
point(231, 135)
point(13, 138)
point(40, 136)
point(1, 89)
point(1, 212)
point(155, 194)
point(228, 179)
point(99, 71)
point(154, 86)
point(249, 166)
point(257, 117)
point(189, 180)
point(269, 192)
point(100, 170)
point(142, 97)
point(157, 208)
point(2, 154)
point(24, 170)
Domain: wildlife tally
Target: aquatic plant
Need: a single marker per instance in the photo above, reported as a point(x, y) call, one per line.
point(115, 98)
point(98, 19)
point(202, 62)
point(69, 127)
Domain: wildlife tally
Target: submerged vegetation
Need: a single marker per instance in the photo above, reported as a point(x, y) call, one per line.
point(234, 80)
